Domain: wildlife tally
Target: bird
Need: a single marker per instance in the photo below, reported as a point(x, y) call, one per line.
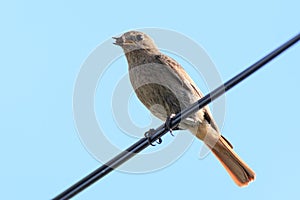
point(165, 88)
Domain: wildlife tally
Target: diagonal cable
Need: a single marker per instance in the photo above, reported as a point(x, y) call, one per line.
point(162, 130)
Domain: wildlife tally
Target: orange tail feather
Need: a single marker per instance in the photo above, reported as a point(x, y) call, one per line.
point(239, 171)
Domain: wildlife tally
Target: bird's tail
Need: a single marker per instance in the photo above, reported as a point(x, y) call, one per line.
point(239, 171)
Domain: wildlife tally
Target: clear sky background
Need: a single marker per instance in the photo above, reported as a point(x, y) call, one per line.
point(42, 46)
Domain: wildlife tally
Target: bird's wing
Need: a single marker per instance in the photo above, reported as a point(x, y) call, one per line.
point(188, 83)
point(178, 70)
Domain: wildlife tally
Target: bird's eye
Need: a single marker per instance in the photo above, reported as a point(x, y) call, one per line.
point(139, 37)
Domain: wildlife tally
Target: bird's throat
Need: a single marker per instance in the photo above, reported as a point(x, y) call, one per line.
point(140, 57)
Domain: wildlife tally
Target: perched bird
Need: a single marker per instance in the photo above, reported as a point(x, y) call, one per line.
point(163, 86)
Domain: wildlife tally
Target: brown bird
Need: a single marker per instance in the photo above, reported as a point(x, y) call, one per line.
point(163, 86)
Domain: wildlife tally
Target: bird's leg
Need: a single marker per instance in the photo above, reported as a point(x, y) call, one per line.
point(148, 135)
point(168, 123)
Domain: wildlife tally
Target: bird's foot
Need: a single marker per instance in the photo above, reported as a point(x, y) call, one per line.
point(148, 135)
point(168, 123)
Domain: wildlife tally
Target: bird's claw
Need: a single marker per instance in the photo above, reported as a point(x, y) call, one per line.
point(168, 124)
point(148, 135)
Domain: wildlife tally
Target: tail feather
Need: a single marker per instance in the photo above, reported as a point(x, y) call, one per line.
point(239, 171)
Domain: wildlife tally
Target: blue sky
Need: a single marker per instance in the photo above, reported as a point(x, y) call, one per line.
point(43, 46)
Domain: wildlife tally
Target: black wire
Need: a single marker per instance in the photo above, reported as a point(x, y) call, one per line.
point(161, 130)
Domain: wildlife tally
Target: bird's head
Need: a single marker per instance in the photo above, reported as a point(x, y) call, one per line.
point(135, 40)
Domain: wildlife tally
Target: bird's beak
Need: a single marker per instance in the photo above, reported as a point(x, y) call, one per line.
point(118, 41)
